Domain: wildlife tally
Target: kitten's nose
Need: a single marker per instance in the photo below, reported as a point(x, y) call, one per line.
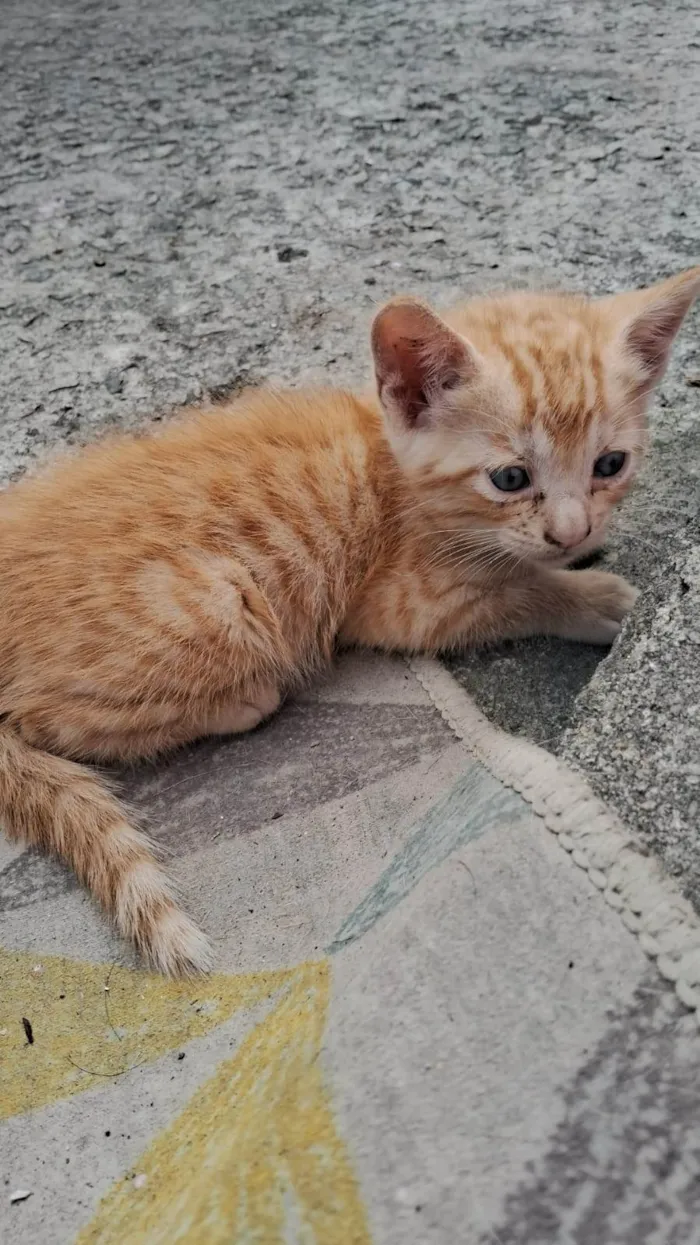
point(568, 526)
point(569, 543)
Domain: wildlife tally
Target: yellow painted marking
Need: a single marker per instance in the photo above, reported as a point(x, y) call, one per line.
point(255, 1158)
point(84, 1033)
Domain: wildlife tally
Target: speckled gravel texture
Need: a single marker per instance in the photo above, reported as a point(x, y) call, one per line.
point(194, 196)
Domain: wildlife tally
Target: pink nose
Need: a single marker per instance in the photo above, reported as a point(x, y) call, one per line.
point(570, 540)
point(568, 526)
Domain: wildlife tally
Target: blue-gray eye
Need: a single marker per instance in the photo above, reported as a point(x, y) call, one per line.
point(510, 479)
point(609, 464)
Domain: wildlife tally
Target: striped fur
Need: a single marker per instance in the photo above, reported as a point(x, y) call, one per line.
point(157, 589)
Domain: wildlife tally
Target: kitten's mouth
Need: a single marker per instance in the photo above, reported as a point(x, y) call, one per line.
point(561, 557)
point(551, 557)
point(567, 557)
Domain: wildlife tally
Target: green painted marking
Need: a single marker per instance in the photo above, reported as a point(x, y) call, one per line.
point(477, 802)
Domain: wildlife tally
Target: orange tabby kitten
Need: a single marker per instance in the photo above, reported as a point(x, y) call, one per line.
point(162, 588)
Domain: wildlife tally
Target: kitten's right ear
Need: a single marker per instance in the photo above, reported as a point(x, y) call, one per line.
point(417, 358)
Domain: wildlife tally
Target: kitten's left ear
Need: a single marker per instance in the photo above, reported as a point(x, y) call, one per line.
point(417, 359)
point(649, 320)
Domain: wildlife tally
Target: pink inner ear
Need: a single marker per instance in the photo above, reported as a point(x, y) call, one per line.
point(651, 337)
point(651, 332)
point(416, 356)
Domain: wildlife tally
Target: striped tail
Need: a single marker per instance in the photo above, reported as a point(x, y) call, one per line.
point(65, 809)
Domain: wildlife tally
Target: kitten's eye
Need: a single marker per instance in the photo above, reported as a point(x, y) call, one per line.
point(510, 479)
point(609, 464)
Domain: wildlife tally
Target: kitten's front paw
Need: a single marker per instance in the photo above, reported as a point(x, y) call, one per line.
point(605, 599)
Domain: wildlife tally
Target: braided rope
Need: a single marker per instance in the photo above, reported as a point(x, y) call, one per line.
point(635, 884)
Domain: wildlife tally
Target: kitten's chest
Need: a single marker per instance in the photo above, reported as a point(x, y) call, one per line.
point(410, 597)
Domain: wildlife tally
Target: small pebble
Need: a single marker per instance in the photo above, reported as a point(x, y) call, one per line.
point(114, 381)
point(20, 1195)
point(647, 149)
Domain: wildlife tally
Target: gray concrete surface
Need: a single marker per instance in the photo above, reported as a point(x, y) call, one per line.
point(196, 196)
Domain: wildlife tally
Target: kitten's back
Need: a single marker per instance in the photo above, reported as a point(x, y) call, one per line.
point(156, 589)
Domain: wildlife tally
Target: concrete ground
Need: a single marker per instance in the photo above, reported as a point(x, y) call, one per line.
point(197, 196)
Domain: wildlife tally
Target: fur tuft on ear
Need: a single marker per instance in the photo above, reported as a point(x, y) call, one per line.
point(648, 321)
point(417, 358)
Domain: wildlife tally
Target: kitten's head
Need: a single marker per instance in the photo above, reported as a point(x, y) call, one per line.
point(524, 415)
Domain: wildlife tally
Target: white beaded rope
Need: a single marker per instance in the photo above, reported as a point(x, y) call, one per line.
point(648, 900)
